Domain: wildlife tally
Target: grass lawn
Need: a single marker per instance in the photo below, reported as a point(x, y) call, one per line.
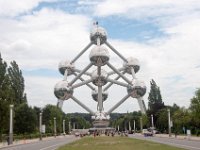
point(115, 143)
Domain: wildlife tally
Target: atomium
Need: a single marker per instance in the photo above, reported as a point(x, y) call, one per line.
point(95, 95)
point(98, 32)
point(66, 65)
point(62, 90)
point(132, 63)
point(137, 89)
point(99, 55)
point(100, 79)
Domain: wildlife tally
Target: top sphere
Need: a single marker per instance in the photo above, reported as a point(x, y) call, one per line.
point(132, 63)
point(63, 65)
point(98, 32)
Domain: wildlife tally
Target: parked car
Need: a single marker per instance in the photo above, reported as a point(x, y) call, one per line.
point(145, 132)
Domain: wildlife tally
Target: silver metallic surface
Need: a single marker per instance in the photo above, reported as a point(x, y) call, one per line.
point(95, 95)
point(99, 80)
point(131, 63)
point(99, 55)
point(62, 90)
point(66, 65)
point(98, 32)
point(137, 89)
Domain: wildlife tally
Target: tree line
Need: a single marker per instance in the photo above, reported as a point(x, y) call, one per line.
point(183, 119)
point(26, 118)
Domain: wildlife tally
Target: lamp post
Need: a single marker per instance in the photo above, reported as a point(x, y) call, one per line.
point(40, 126)
point(69, 127)
point(54, 126)
point(64, 127)
point(11, 126)
point(169, 122)
point(141, 126)
point(152, 124)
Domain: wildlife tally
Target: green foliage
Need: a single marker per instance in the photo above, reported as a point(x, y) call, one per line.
point(16, 83)
point(25, 119)
point(195, 109)
point(49, 112)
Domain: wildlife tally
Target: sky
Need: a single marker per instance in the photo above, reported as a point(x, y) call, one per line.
point(163, 35)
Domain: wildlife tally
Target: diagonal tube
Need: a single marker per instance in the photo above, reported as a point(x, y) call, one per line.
point(118, 104)
point(80, 74)
point(118, 82)
point(142, 105)
point(86, 73)
point(81, 53)
point(82, 83)
point(112, 72)
point(119, 73)
point(133, 73)
point(82, 105)
point(115, 51)
point(110, 84)
point(90, 86)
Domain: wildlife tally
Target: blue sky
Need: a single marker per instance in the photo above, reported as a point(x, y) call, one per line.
point(163, 35)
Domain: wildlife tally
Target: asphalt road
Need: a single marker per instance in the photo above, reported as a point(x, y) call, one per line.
point(51, 144)
point(182, 143)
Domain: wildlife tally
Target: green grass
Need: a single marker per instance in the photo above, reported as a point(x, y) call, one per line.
point(115, 143)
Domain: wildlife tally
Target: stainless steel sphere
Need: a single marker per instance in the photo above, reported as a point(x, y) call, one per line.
point(99, 55)
point(98, 32)
point(137, 89)
point(99, 79)
point(63, 65)
point(95, 95)
point(132, 62)
point(62, 90)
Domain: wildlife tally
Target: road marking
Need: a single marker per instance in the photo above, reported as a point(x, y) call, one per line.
point(56, 145)
point(168, 143)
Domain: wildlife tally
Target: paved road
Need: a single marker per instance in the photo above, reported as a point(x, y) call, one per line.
point(186, 144)
point(51, 144)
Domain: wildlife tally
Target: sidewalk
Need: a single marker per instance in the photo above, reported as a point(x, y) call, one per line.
point(26, 141)
point(181, 137)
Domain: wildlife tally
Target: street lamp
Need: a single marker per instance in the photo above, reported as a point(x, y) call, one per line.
point(54, 126)
point(141, 126)
point(152, 124)
point(11, 126)
point(64, 127)
point(40, 125)
point(169, 122)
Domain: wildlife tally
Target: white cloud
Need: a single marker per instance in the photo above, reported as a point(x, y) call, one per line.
point(42, 38)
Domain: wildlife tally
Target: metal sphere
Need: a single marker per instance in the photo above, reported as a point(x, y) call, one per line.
point(137, 89)
point(99, 80)
point(98, 32)
point(95, 95)
point(62, 90)
point(63, 65)
point(132, 63)
point(99, 55)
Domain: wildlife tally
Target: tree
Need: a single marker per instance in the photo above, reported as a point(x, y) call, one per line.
point(49, 112)
point(17, 83)
point(195, 110)
point(155, 101)
point(25, 119)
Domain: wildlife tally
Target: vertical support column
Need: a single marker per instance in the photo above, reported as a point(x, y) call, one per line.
point(134, 126)
point(40, 125)
point(129, 126)
point(64, 127)
point(11, 126)
point(100, 101)
point(152, 124)
point(69, 127)
point(141, 125)
point(54, 126)
point(169, 122)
